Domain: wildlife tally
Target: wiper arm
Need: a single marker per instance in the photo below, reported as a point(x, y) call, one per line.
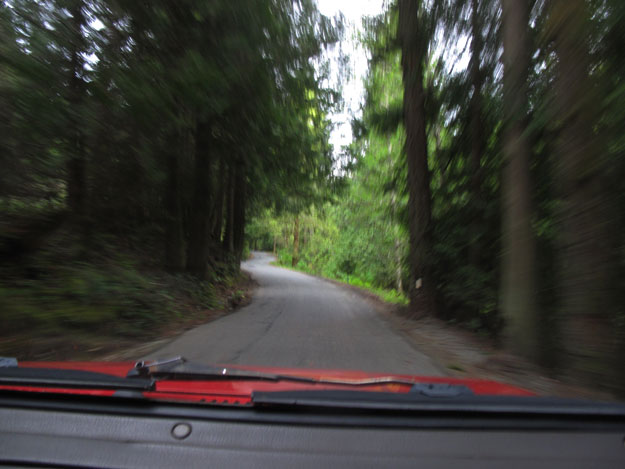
point(178, 368)
point(63, 378)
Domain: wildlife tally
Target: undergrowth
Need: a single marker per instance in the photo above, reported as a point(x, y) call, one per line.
point(54, 294)
point(388, 295)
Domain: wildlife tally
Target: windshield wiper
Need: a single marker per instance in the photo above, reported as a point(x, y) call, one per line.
point(144, 375)
point(12, 375)
point(415, 402)
point(178, 368)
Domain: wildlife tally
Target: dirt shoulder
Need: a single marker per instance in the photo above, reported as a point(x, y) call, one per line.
point(464, 354)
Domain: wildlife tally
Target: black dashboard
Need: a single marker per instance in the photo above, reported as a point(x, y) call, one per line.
point(56, 431)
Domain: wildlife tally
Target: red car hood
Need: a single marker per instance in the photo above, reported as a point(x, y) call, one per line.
point(239, 391)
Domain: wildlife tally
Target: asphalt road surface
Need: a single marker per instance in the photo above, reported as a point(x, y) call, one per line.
point(296, 320)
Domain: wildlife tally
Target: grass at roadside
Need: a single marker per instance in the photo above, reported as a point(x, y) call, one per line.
point(390, 296)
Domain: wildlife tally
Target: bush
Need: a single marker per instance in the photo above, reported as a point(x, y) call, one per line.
point(84, 296)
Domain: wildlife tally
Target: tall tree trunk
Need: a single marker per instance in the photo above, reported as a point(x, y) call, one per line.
point(239, 210)
point(76, 165)
point(398, 274)
point(587, 253)
point(174, 243)
point(228, 241)
point(295, 258)
point(218, 211)
point(477, 136)
point(518, 289)
point(199, 234)
point(413, 52)
point(398, 260)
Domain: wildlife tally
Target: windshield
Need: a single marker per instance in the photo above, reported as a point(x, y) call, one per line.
point(431, 189)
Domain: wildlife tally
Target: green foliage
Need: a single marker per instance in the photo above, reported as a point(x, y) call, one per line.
point(388, 295)
point(85, 296)
point(236, 80)
point(151, 127)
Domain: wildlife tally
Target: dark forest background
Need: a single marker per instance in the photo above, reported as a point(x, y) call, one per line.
point(145, 147)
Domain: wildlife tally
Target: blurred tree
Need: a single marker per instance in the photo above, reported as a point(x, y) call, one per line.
point(477, 132)
point(587, 265)
point(518, 288)
point(413, 41)
point(75, 50)
point(175, 118)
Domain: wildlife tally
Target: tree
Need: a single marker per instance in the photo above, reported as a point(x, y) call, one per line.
point(477, 134)
point(76, 165)
point(587, 265)
point(296, 234)
point(174, 236)
point(412, 37)
point(200, 233)
point(518, 289)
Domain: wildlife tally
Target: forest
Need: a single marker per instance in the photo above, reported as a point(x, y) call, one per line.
point(136, 138)
point(147, 147)
point(487, 193)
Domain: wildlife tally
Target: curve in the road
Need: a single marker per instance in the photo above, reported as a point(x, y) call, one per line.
point(297, 320)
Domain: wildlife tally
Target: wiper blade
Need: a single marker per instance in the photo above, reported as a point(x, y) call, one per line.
point(178, 368)
point(466, 404)
point(63, 378)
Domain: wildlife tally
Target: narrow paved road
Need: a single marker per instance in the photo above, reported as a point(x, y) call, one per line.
point(296, 320)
